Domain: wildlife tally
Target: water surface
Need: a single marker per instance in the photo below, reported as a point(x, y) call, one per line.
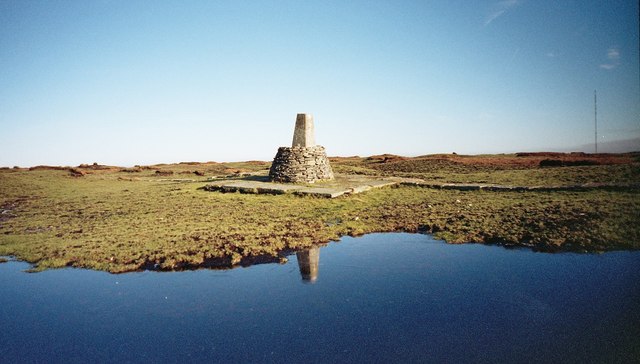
point(377, 298)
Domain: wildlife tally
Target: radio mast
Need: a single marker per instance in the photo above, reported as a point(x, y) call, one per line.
point(595, 116)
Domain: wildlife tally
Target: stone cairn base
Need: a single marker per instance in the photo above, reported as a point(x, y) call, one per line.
point(300, 164)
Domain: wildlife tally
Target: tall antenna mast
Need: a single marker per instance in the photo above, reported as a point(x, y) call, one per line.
point(595, 115)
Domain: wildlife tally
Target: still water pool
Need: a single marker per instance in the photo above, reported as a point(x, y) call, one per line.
point(377, 298)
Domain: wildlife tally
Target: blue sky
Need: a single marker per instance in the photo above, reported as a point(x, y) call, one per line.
point(141, 82)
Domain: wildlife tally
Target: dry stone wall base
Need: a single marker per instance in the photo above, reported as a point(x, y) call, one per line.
point(300, 164)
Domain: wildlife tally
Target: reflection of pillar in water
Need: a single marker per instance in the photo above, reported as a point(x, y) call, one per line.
point(308, 263)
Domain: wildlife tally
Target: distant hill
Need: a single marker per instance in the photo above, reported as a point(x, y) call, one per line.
point(614, 146)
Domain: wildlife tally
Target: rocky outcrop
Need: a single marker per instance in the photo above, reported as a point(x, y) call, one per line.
point(300, 164)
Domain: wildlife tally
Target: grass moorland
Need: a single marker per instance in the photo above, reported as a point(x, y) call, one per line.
point(158, 217)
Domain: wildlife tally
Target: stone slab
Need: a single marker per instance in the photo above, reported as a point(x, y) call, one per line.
point(342, 186)
point(360, 189)
point(345, 185)
point(322, 192)
point(381, 183)
point(252, 187)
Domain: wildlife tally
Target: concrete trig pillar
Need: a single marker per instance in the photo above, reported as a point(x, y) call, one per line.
point(303, 135)
point(304, 161)
point(308, 262)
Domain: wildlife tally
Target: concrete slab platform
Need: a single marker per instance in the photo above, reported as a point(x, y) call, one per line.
point(342, 185)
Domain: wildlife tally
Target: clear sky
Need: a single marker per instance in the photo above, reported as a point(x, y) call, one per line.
point(141, 82)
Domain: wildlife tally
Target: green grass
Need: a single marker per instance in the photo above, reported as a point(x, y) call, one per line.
point(123, 221)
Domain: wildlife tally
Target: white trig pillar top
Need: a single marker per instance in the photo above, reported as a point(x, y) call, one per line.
point(303, 134)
